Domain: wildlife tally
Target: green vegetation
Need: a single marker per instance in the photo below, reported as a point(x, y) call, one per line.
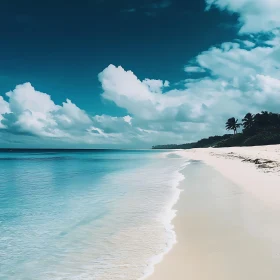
point(232, 124)
point(203, 143)
point(259, 129)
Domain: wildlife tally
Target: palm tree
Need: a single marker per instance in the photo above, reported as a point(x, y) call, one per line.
point(248, 121)
point(274, 120)
point(232, 124)
point(261, 120)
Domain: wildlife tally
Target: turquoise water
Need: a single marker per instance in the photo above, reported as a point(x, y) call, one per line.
point(85, 215)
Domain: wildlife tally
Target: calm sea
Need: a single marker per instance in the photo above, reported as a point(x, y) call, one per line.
point(86, 214)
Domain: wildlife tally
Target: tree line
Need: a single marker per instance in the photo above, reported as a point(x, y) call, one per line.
point(257, 129)
point(253, 124)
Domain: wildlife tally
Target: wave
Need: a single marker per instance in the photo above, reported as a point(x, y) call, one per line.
point(168, 218)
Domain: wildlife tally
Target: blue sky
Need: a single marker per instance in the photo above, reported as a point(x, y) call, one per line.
point(135, 73)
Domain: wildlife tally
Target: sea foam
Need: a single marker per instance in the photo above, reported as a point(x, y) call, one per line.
point(169, 215)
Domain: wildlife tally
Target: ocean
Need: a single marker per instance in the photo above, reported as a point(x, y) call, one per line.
point(98, 214)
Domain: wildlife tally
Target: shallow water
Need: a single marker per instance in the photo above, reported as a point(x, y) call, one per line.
point(85, 215)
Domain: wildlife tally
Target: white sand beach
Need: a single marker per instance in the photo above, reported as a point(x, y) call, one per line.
point(228, 219)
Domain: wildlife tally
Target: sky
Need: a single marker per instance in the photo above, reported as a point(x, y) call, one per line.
point(133, 73)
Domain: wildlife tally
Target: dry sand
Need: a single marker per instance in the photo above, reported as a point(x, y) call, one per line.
point(228, 219)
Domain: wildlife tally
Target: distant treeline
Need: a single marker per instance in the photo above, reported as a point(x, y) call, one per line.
point(259, 129)
point(203, 143)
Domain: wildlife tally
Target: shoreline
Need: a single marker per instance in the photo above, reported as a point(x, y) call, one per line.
point(237, 221)
point(170, 229)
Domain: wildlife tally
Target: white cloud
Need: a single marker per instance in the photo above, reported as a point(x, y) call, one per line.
point(241, 78)
point(31, 112)
point(25, 97)
point(155, 85)
point(269, 87)
point(4, 108)
point(249, 44)
point(71, 114)
point(128, 119)
point(166, 84)
point(255, 15)
point(153, 110)
point(226, 61)
point(194, 69)
point(142, 99)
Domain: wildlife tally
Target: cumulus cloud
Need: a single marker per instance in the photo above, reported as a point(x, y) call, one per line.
point(249, 44)
point(127, 119)
point(34, 112)
point(4, 108)
point(201, 102)
point(231, 60)
point(25, 97)
point(253, 74)
point(156, 85)
point(143, 99)
point(194, 69)
point(31, 112)
point(255, 15)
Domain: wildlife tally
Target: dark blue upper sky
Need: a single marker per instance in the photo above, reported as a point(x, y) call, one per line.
point(61, 46)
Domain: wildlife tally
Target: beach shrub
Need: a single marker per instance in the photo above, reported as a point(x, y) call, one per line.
point(211, 141)
point(203, 143)
point(234, 140)
point(265, 138)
